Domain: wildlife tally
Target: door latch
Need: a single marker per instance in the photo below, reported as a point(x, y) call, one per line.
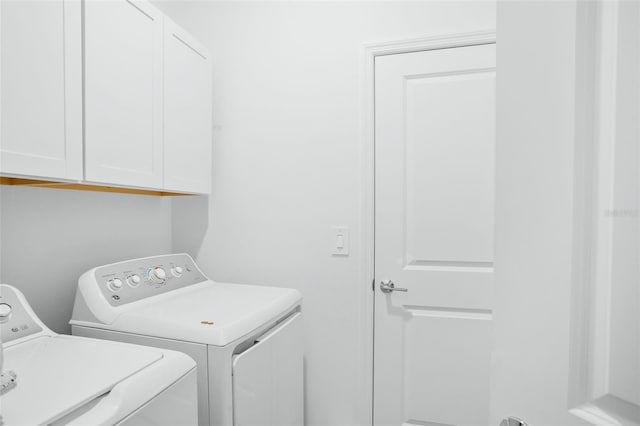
point(388, 286)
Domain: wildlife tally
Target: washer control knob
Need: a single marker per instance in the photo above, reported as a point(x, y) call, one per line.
point(114, 284)
point(133, 280)
point(157, 275)
point(5, 312)
point(177, 271)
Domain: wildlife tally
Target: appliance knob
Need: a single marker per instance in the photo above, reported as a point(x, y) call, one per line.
point(158, 275)
point(5, 312)
point(115, 284)
point(177, 271)
point(133, 280)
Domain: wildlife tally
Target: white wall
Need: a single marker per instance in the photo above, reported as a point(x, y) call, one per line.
point(51, 236)
point(287, 115)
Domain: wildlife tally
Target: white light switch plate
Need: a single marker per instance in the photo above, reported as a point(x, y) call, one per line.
point(340, 241)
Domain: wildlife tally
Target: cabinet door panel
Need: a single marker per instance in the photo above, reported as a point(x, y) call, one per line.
point(41, 89)
point(187, 113)
point(123, 93)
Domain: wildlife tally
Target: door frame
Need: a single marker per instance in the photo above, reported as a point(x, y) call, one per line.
point(596, 136)
point(366, 228)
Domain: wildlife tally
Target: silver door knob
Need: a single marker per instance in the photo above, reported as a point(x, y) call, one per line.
point(513, 421)
point(388, 286)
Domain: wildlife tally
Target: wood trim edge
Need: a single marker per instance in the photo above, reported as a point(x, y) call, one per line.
point(77, 186)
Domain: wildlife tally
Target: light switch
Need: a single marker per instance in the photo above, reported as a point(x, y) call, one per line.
point(340, 241)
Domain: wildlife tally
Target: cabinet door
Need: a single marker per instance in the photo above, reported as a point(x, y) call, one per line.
point(123, 93)
point(187, 113)
point(41, 89)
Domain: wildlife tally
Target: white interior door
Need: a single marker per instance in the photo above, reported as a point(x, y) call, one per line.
point(434, 235)
point(567, 306)
point(564, 313)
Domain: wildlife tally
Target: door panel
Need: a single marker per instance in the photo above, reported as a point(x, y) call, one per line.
point(267, 378)
point(187, 112)
point(434, 235)
point(448, 111)
point(41, 111)
point(123, 93)
point(450, 349)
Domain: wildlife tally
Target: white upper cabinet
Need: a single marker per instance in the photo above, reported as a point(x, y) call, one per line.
point(41, 89)
point(145, 88)
point(187, 112)
point(123, 93)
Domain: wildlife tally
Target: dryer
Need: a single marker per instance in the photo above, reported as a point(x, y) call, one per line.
point(60, 380)
point(246, 340)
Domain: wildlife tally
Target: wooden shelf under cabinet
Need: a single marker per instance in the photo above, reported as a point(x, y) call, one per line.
point(83, 187)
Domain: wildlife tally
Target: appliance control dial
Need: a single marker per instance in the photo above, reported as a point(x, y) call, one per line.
point(133, 280)
point(5, 312)
point(156, 275)
point(114, 284)
point(177, 271)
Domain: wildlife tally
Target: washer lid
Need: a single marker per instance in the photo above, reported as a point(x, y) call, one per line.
point(210, 313)
point(58, 375)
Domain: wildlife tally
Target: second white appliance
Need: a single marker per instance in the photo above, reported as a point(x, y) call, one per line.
point(68, 380)
point(245, 339)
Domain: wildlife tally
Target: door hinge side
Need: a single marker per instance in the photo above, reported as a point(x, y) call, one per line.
point(373, 284)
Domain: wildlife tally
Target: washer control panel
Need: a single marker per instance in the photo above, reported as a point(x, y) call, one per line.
point(16, 321)
point(132, 280)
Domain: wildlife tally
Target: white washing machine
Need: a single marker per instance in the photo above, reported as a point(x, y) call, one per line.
point(246, 340)
point(72, 380)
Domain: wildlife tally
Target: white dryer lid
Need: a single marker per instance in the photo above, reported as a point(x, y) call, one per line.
point(57, 375)
point(210, 312)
